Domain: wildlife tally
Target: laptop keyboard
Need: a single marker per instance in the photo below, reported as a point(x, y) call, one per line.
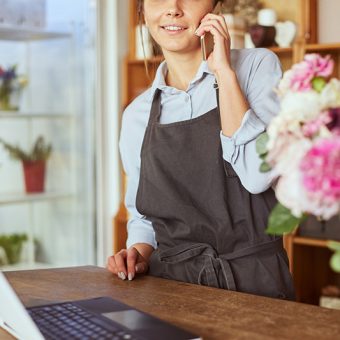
point(67, 321)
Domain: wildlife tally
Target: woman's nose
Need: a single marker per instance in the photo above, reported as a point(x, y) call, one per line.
point(174, 10)
point(173, 13)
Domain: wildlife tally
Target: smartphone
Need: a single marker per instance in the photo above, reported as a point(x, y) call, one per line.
point(207, 40)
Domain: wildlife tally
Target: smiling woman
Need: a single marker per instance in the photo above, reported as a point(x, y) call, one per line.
point(198, 205)
point(174, 29)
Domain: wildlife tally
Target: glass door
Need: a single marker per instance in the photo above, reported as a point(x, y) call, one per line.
point(47, 132)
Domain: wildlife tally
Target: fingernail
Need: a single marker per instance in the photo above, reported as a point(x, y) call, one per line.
point(136, 268)
point(130, 276)
point(122, 276)
point(196, 31)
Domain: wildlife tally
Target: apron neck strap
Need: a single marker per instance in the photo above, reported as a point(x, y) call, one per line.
point(155, 112)
point(217, 96)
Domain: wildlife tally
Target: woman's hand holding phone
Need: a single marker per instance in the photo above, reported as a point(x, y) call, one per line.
point(129, 262)
point(219, 58)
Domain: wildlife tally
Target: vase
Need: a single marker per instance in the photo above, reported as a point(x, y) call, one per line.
point(34, 174)
point(263, 36)
point(9, 101)
point(5, 102)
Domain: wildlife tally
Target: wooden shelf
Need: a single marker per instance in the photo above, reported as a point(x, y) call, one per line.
point(28, 198)
point(310, 241)
point(28, 115)
point(281, 50)
point(153, 60)
point(323, 47)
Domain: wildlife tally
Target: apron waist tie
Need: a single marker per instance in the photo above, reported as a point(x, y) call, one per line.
point(188, 251)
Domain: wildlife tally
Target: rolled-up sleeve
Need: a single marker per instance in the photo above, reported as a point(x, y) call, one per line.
point(140, 230)
point(240, 149)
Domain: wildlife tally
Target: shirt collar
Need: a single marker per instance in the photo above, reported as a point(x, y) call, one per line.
point(159, 81)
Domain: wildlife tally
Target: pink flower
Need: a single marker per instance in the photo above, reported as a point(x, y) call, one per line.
point(312, 127)
point(312, 66)
point(322, 67)
point(321, 170)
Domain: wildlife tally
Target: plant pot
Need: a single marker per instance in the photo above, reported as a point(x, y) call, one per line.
point(10, 99)
point(34, 174)
point(12, 245)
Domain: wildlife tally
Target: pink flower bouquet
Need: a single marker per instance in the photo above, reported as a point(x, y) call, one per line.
point(301, 147)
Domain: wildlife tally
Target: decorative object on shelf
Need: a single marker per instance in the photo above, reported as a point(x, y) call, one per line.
point(302, 147)
point(285, 33)
point(237, 28)
point(239, 15)
point(247, 9)
point(23, 13)
point(263, 33)
point(330, 297)
point(144, 49)
point(11, 85)
point(34, 163)
point(12, 245)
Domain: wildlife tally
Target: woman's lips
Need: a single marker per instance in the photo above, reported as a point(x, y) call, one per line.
point(173, 29)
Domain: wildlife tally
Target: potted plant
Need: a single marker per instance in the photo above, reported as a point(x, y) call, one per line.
point(12, 246)
point(10, 84)
point(34, 163)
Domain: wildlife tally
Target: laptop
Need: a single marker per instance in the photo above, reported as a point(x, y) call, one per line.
point(97, 318)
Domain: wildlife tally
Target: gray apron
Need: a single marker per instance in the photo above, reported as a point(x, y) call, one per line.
point(209, 229)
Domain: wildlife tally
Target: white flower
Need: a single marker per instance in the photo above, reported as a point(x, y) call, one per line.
point(302, 106)
point(290, 193)
point(284, 85)
point(283, 128)
point(330, 95)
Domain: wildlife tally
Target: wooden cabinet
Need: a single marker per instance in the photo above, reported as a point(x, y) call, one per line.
point(308, 257)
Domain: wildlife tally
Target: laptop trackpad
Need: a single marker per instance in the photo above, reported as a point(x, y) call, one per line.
point(131, 319)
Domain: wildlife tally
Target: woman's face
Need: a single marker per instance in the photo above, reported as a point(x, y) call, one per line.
point(172, 23)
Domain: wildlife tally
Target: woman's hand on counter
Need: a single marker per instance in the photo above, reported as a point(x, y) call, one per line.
point(129, 262)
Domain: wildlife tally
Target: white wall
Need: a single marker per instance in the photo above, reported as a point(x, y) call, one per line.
point(329, 21)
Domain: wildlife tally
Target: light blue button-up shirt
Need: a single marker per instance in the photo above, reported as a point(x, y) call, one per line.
point(258, 72)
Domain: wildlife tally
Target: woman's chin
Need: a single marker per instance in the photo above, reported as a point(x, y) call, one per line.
point(180, 49)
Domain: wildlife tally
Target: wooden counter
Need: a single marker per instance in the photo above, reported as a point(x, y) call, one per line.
point(210, 312)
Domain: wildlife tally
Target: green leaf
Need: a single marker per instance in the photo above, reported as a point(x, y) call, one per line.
point(261, 143)
point(335, 262)
point(282, 221)
point(265, 167)
point(40, 151)
point(334, 245)
point(318, 83)
point(263, 156)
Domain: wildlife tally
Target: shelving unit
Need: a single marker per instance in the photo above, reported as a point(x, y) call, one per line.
point(61, 127)
point(309, 257)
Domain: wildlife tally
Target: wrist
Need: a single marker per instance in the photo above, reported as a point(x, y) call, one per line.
point(225, 75)
point(144, 249)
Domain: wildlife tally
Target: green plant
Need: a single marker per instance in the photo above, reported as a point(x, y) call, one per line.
point(40, 151)
point(10, 82)
point(12, 244)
